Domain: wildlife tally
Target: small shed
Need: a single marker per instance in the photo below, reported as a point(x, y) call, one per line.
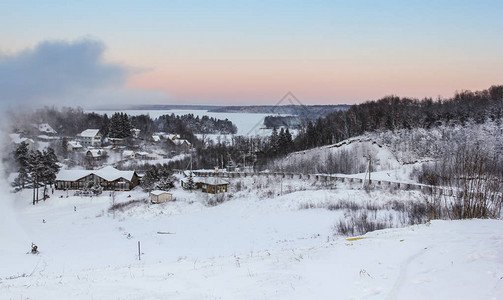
point(159, 196)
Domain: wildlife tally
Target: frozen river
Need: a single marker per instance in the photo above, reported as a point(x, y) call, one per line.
point(247, 123)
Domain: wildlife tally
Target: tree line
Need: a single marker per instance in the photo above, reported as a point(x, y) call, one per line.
point(69, 121)
point(393, 113)
point(37, 167)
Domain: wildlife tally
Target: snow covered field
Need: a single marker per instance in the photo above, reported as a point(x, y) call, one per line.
point(252, 246)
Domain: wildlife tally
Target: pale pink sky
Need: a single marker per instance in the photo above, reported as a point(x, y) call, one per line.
point(254, 52)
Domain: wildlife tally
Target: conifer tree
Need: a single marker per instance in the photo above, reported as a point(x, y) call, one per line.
point(21, 155)
point(50, 168)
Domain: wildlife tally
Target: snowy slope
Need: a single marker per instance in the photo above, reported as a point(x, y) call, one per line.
point(250, 247)
point(350, 156)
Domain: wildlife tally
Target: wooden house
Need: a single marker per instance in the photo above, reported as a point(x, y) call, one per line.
point(214, 185)
point(108, 178)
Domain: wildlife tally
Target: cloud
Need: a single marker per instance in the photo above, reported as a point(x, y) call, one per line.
point(54, 71)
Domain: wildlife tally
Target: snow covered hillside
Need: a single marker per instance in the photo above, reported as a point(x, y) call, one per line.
point(347, 157)
point(252, 246)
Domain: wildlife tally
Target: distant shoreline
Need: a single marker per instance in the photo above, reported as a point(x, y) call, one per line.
point(301, 110)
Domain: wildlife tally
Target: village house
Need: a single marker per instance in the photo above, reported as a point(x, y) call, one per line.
point(17, 139)
point(116, 141)
point(212, 185)
point(46, 138)
point(183, 144)
point(147, 156)
point(90, 138)
point(128, 154)
point(196, 180)
point(159, 196)
point(45, 129)
point(73, 146)
point(109, 178)
point(96, 154)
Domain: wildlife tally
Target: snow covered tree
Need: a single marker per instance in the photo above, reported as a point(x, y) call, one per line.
point(50, 168)
point(190, 183)
point(21, 155)
point(120, 126)
point(165, 183)
point(158, 177)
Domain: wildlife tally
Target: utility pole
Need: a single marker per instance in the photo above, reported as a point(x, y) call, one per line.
point(139, 251)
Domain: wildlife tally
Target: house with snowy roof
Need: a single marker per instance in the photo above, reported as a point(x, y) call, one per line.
point(109, 178)
point(183, 144)
point(17, 139)
point(45, 129)
point(212, 185)
point(90, 138)
point(73, 146)
point(96, 154)
point(128, 154)
point(158, 196)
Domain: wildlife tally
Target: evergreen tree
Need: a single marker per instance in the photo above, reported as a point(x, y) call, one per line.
point(190, 182)
point(273, 142)
point(120, 126)
point(50, 168)
point(21, 155)
point(150, 178)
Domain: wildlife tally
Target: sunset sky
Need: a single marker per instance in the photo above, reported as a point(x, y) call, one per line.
point(246, 52)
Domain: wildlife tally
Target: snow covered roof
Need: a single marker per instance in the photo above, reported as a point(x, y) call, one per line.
point(47, 137)
point(205, 180)
point(156, 138)
point(89, 132)
point(127, 152)
point(195, 179)
point(17, 139)
point(108, 173)
point(74, 144)
point(172, 136)
point(72, 175)
point(142, 153)
point(46, 128)
point(213, 180)
point(181, 141)
point(95, 152)
point(158, 192)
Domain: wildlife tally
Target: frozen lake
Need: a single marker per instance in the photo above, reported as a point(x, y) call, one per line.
point(247, 123)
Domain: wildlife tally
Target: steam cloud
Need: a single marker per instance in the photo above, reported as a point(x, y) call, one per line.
point(55, 70)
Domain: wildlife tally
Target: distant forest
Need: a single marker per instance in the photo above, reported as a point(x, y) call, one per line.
point(390, 113)
point(302, 111)
point(393, 113)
